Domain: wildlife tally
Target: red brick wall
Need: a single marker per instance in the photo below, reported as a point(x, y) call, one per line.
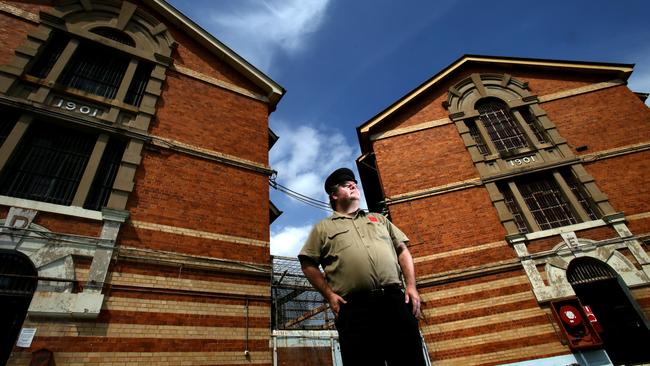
point(625, 179)
point(614, 112)
point(191, 55)
point(9, 41)
point(194, 193)
point(155, 313)
point(447, 222)
point(68, 225)
point(426, 159)
point(495, 319)
point(428, 106)
point(201, 114)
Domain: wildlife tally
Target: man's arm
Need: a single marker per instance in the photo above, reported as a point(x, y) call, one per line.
point(316, 278)
point(408, 269)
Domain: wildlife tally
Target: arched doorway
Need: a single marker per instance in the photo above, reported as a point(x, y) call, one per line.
point(18, 280)
point(624, 330)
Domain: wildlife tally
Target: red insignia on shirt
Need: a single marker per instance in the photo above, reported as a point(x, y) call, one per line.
point(372, 218)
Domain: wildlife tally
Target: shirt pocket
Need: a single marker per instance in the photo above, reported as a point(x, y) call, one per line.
point(379, 232)
point(338, 241)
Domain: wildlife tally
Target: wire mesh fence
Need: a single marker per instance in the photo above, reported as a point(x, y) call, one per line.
point(296, 304)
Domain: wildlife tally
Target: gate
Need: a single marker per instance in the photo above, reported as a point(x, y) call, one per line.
point(18, 281)
point(622, 326)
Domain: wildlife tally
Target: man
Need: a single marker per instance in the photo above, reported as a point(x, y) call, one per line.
point(362, 254)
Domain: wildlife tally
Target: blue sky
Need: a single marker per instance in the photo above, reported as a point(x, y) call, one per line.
point(343, 61)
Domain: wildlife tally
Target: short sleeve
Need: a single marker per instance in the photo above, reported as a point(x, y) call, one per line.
point(396, 235)
point(312, 246)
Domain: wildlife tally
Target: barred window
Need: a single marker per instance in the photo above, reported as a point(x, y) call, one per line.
point(7, 122)
point(533, 124)
point(546, 202)
point(49, 55)
point(115, 35)
point(476, 135)
point(48, 165)
point(580, 195)
point(103, 182)
point(501, 126)
point(50, 161)
point(138, 84)
point(95, 69)
point(515, 211)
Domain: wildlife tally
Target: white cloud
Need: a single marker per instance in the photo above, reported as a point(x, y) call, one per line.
point(288, 241)
point(258, 29)
point(304, 156)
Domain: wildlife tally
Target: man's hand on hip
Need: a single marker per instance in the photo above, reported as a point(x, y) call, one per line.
point(335, 302)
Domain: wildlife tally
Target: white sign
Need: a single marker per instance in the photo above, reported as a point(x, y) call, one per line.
point(570, 239)
point(521, 161)
point(25, 338)
point(76, 107)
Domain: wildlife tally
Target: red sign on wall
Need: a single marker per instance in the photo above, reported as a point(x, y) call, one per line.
point(571, 316)
point(592, 319)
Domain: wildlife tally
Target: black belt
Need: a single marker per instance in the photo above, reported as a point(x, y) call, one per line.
point(374, 293)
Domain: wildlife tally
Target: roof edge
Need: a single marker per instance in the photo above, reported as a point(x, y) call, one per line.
point(274, 91)
point(625, 69)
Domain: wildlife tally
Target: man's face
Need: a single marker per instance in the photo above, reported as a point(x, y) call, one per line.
point(346, 191)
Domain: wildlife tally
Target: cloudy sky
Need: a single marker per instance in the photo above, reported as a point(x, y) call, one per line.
point(343, 61)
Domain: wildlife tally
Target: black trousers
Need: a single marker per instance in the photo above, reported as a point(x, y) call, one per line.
point(378, 329)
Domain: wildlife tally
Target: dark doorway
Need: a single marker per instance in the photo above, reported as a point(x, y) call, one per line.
point(18, 280)
point(623, 327)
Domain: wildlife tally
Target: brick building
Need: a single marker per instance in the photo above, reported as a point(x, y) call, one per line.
point(523, 185)
point(133, 188)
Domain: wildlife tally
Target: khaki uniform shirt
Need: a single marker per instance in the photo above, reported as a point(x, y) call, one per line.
point(357, 253)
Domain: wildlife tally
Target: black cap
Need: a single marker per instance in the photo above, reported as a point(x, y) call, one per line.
point(339, 176)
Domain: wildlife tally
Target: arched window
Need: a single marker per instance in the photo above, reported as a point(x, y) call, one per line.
point(95, 69)
point(621, 323)
point(587, 270)
point(115, 35)
point(501, 126)
point(521, 156)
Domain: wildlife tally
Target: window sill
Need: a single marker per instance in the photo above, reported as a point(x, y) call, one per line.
point(565, 229)
point(51, 207)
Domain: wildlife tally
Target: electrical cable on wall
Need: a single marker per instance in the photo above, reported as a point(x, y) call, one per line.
point(299, 196)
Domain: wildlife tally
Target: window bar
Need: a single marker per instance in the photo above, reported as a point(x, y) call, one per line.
point(126, 81)
point(47, 165)
point(96, 70)
point(49, 55)
point(102, 186)
point(523, 207)
point(476, 135)
point(501, 127)
point(115, 35)
point(90, 170)
point(547, 203)
point(514, 209)
point(139, 83)
point(485, 136)
point(531, 123)
point(571, 191)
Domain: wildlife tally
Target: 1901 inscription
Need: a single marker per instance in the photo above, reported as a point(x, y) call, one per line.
point(522, 161)
point(76, 107)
